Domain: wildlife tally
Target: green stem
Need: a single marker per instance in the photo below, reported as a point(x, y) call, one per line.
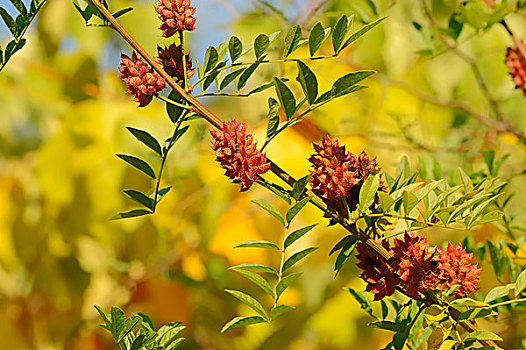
point(167, 100)
point(506, 303)
point(183, 58)
point(165, 156)
point(282, 260)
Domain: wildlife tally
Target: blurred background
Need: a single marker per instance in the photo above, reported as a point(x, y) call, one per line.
point(63, 117)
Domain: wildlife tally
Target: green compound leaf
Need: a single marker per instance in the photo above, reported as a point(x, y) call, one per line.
point(308, 82)
point(361, 32)
point(292, 40)
point(368, 192)
point(261, 44)
point(242, 322)
point(256, 279)
point(286, 282)
point(138, 163)
point(286, 98)
point(316, 38)
point(140, 198)
point(297, 257)
point(273, 117)
point(130, 214)
point(339, 32)
point(235, 48)
point(270, 209)
point(294, 236)
point(520, 283)
point(482, 335)
point(296, 208)
point(345, 84)
point(257, 244)
point(255, 267)
point(499, 292)
point(146, 139)
point(249, 301)
point(279, 310)
point(299, 187)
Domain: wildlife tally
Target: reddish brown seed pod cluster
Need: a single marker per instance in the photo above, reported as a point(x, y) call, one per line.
point(171, 58)
point(416, 268)
point(142, 81)
point(236, 151)
point(176, 15)
point(338, 175)
point(516, 62)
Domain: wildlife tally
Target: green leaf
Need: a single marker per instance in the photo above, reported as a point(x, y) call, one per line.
point(455, 27)
point(270, 209)
point(294, 236)
point(292, 39)
point(388, 325)
point(255, 267)
point(468, 302)
point(482, 335)
point(211, 58)
point(295, 209)
point(339, 32)
point(138, 163)
point(130, 214)
point(147, 139)
point(20, 7)
point(128, 327)
point(273, 117)
point(520, 283)
point(246, 75)
point(167, 335)
point(104, 315)
point(316, 38)
point(286, 98)
point(466, 181)
point(277, 190)
point(297, 257)
point(362, 299)
point(162, 192)
point(235, 48)
point(409, 201)
point(138, 342)
point(249, 301)
point(122, 12)
point(10, 23)
point(174, 112)
point(1, 56)
point(361, 32)
point(230, 77)
point(345, 253)
point(261, 44)
point(499, 292)
point(256, 279)
point(308, 82)
point(368, 192)
point(140, 198)
point(257, 244)
point(279, 310)
point(299, 187)
point(489, 217)
point(242, 322)
point(118, 320)
point(13, 47)
point(344, 85)
point(386, 201)
point(472, 314)
point(169, 142)
point(489, 158)
point(286, 282)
